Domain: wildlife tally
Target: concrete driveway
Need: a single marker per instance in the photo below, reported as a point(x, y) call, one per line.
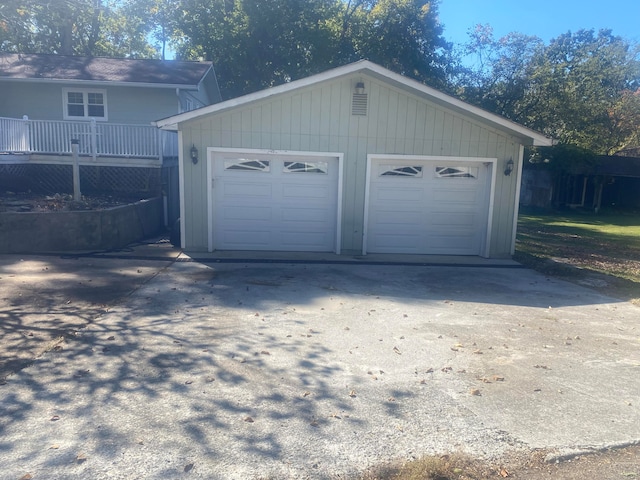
point(249, 370)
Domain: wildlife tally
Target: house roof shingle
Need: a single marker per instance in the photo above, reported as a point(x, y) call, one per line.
point(100, 69)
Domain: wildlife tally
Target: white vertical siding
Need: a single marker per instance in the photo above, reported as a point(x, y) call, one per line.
point(318, 118)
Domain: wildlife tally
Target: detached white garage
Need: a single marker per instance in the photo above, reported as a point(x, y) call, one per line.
point(355, 160)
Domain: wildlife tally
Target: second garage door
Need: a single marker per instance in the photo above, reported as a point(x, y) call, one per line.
point(428, 206)
point(281, 202)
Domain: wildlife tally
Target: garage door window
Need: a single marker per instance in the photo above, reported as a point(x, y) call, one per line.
point(393, 171)
point(456, 172)
point(306, 167)
point(253, 165)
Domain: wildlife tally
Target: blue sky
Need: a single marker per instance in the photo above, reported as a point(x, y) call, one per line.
point(546, 19)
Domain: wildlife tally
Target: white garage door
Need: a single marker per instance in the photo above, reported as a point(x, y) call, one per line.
point(274, 202)
point(428, 207)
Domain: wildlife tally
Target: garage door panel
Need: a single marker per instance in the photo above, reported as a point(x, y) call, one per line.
point(288, 205)
point(451, 242)
point(306, 192)
point(437, 208)
point(396, 218)
point(242, 214)
point(307, 215)
point(444, 220)
point(457, 195)
point(233, 190)
point(399, 194)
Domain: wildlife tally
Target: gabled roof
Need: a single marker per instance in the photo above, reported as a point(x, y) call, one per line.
point(366, 67)
point(66, 68)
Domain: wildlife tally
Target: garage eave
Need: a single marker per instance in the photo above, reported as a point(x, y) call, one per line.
point(530, 137)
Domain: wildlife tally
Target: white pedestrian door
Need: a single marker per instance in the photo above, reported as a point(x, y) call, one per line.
point(274, 202)
point(428, 207)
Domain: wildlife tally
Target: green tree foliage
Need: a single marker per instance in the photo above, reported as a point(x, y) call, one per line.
point(581, 89)
point(72, 27)
point(404, 36)
point(502, 73)
point(255, 45)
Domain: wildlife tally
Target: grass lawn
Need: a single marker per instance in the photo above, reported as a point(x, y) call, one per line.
point(601, 251)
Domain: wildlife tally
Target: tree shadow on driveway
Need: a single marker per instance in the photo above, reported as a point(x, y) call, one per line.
point(241, 371)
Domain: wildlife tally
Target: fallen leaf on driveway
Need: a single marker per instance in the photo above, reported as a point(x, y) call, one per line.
point(504, 473)
point(248, 419)
point(188, 467)
point(397, 350)
point(352, 393)
point(475, 392)
point(26, 476)
point(55, 418)
point(81, 458)
point(497, 378)
point(54, 447)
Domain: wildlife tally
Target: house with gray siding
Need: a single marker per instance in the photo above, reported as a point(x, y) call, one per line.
point(354, 160)
point(108, 104)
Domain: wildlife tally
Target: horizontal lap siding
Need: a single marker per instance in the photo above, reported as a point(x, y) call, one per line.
point(319, 118)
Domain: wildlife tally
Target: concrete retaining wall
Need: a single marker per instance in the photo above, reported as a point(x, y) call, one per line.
point(39, 232)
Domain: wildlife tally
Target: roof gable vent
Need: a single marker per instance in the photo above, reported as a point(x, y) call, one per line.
point(359, 104)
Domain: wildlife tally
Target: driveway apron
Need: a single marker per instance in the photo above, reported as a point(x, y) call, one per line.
point(312, 371)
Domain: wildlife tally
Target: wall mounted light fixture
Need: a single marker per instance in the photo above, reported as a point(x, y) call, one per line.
point(508, 167)
point(194, 154)
point(359, 88)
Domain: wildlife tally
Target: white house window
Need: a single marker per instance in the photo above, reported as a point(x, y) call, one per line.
point(456, 172)
point(79, 103)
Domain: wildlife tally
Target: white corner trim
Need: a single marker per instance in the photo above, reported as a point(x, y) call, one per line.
point(210, 209)
point(492, 196)
point(516, 207)
point(367, 187)
point(183, 234)
point(339, 206)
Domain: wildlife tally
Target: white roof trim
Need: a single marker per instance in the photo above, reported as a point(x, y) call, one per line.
point(171, 123)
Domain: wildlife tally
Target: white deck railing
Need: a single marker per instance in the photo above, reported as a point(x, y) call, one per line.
point(14, 135)
point(95, 139)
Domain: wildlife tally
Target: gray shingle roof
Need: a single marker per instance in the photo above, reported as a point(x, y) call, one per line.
point(99, 69)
